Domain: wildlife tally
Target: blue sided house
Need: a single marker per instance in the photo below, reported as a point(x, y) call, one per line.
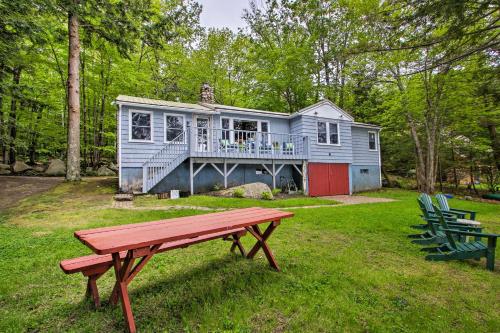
point(164, 145)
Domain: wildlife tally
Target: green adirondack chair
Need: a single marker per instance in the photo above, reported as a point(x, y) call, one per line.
point(459, 250)
point(434, 233)
point(445, 208)
point(425, 203)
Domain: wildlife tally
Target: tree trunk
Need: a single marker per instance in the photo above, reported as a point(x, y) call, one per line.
point(84, 107)
point(455, 176)
point(3, 150)
point(16, 75)
point(73, 151)
point(495, 143)
point(34, 134)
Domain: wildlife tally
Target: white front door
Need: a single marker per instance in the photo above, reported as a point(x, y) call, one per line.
point(202, 133)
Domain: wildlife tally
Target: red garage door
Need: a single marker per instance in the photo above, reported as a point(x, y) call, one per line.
point(328, 179)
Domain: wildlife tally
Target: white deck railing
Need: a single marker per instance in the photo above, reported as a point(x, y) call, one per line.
point(225, 143)
point(163, 162)
point(213, 142)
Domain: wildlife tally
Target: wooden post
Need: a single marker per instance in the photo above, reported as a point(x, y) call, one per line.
point(274, 176)
point(305, 188)
point(191, 176)
point(225, 173)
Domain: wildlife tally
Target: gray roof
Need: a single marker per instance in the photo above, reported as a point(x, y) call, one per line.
point(206, 107)
point(140, 100)
point(235, 108)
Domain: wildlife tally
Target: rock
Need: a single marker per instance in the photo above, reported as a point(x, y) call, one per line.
point(468, 197)
point(32, 172)
point(105, 171)
point(252, 190)
point(4, 166)
point(113, 167)
point(89, 171)
point(20, 167)
point(56, 168)
point(40, 168)
point(124, 197)
point(5, 172)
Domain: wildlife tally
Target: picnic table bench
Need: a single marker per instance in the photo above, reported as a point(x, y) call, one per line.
point(120, 246)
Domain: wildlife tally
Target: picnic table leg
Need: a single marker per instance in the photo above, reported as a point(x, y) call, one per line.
point(93, 291)
point(237, 244)
point(261, 243)
point(121, 273)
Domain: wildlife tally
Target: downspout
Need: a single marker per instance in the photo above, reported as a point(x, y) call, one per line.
point(379, 159)
point(119, 148)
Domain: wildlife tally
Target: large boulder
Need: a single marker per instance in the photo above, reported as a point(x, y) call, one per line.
point(40, 168)
point(20, 167)
point(113, 167)
point(251, 190)
point(4, 172)
point(105, 171)
point(56, 168)
point(4, 166)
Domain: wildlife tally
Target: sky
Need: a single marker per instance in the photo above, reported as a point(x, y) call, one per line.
point(223, 13)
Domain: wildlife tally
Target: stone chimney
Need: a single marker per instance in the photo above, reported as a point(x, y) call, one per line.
point(207, 94)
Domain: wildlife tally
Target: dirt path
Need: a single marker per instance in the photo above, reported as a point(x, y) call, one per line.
point(356, 199)
point(16, 188)
point(343, 200)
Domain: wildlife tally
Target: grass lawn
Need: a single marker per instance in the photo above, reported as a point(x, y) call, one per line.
point(345, 269)
point(221, 202)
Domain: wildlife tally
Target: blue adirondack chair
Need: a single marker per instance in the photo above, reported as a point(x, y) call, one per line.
point(458, 249)
point(445, 208)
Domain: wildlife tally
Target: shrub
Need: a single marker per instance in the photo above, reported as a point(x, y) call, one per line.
point(216, 187)
point(238, 193)
point(276, 191)
point(267, 195)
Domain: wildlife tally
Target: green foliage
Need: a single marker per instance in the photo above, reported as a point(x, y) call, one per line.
point(238, 193)
point(276, 191)
point(267, 195)
point(443, 75)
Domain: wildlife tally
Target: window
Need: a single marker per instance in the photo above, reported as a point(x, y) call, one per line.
point(174, 126)
point(334, 133)
point(226, 135)
point(363, 171)
point(264, 128)
point(141, 123)
point(261, 171)
point(328, 133)
point(372, 141)
point(322, 135)
point(243, 129)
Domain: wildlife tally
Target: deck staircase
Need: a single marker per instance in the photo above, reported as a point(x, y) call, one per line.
point(164, 161)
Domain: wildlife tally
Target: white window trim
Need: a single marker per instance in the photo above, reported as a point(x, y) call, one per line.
point(231, 125)
point(130, 126)
point(375, 136)
point(165, 126)
point(327, 133)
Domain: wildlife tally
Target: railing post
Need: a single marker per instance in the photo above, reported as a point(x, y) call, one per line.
point(144, 179)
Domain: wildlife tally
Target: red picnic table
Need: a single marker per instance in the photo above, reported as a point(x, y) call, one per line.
point(141, 241)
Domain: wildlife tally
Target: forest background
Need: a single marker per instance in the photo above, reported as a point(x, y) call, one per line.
point(426, 71)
